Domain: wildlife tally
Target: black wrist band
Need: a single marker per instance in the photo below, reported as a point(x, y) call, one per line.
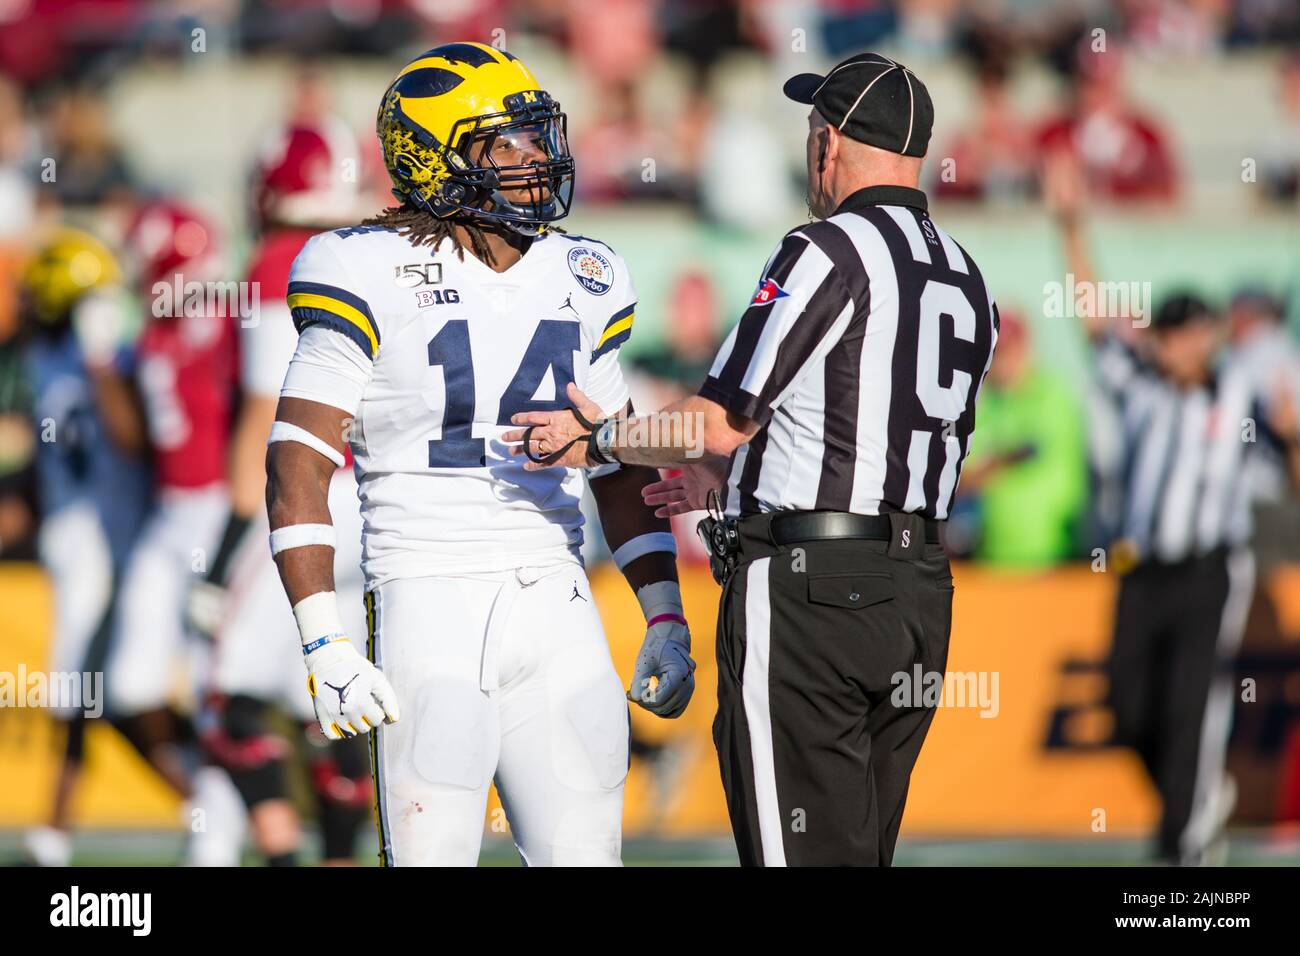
point(594, 452)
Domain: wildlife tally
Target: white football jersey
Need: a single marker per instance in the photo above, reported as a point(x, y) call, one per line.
point(444, 351)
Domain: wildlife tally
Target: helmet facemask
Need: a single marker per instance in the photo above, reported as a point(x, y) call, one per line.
point(512, 167)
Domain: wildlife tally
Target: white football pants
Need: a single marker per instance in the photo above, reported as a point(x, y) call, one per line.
point(152, 663)
point(75, 553)
point(503, 676)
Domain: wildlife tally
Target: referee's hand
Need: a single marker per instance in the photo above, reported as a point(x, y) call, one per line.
point(688, 490)
point(552, 431)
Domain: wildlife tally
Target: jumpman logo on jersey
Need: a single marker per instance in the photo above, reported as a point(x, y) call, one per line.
point(342, 691)
point(568, 304)
point(575, 593)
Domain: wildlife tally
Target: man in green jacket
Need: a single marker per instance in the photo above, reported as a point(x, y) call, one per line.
point(1027, 467)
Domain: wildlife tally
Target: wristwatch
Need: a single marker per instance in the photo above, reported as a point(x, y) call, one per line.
point(600, 448)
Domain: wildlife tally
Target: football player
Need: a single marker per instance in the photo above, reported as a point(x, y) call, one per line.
point(421, 332)
point(92, 494)
point(177, 406)
point(304, 181)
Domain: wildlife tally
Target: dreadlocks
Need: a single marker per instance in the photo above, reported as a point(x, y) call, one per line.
point(421, 228)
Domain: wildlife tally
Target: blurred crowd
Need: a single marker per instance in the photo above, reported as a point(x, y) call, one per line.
point(57, 56)
point(1036, 491)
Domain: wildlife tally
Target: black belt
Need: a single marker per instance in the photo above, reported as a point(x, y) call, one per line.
point(793, 527)
point(730, 541)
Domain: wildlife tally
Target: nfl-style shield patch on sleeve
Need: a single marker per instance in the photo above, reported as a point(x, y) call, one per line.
point(617, 331)
point(315, 303)
point(768, 291)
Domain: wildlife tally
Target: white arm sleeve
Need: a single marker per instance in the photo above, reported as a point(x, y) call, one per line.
point(609, 326)
point(612, 327)
point(606, 387)
point(605, 384)
point(328, 368)
point(265, 350)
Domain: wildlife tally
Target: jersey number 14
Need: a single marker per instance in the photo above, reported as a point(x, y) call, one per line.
point(551, 349)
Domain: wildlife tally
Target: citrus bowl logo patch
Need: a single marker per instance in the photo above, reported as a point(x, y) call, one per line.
point(767, 292)
point(593, 271)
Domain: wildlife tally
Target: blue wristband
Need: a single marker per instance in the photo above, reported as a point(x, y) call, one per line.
point(321, 642)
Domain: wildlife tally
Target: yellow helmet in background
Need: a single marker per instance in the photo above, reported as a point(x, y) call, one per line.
point(67, 265)
point(466, 128)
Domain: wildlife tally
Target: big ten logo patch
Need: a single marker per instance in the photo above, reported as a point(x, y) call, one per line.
point(427, 297)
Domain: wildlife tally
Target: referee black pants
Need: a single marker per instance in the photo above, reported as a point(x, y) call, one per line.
point(815, 739)
point(1177, 628)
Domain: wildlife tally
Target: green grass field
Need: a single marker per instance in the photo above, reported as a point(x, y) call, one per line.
point(156, 848)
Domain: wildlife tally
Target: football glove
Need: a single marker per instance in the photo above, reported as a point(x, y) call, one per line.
point(205, 607)
point(351, 695)
point(664, 678)
point(98, 321)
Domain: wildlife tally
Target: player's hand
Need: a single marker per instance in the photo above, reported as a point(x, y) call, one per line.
point(350, 694)
point(687, 491)
point(205, 608)
point(552, 431)
point(1065, 188)
point(97, 321)
point(664, 678)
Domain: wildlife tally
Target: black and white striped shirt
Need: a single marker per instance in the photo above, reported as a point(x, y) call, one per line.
point(861, 356)
point(1185, 484)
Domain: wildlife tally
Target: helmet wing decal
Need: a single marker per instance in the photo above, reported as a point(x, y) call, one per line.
point(427, 81)
point(466, 53)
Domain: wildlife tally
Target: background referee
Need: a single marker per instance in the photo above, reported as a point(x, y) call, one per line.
point(1192, 430)
point(836, 417)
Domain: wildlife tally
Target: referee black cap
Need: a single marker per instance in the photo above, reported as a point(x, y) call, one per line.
point(1180, 310)
point(1258, 299)
point(872, 99)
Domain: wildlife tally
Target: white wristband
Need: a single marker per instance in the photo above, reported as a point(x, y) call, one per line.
point(662, 597)
point(644, 544)
point(287, 431)
point(301, 536)
point(318, 620)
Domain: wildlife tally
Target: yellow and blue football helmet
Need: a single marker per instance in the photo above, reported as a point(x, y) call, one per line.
point(466, 129)
point(66, 266)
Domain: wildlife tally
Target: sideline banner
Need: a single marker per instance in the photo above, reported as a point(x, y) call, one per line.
point(1019, 746)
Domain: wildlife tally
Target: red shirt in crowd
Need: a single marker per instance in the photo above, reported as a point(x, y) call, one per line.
point(1125, 156)
point(187, 368)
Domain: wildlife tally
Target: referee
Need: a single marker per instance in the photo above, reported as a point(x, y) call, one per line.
point(835, 420)
point(1191, 433)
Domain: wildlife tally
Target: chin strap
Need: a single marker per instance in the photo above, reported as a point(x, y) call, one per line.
point(593, 429)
